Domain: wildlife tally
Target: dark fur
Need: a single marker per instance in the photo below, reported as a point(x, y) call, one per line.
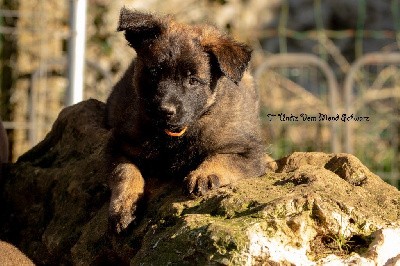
point(183, 76)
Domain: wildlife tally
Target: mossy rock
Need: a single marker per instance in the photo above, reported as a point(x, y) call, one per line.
point(312, 208)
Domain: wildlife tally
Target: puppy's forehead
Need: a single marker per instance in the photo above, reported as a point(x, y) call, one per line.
point(178, 46)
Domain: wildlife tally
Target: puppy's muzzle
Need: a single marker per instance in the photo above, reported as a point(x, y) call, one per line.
point(168, 111)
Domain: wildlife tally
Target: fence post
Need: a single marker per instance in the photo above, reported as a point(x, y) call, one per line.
point(76, 53)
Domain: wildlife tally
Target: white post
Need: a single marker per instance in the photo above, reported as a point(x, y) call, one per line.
point(76, 53)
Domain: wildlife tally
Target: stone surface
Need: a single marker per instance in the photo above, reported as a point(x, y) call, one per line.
point(312, 209)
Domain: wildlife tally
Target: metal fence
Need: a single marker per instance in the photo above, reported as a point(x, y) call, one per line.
point(345, 37)
point(34, 80)
point(40, 119)
point(372, 96)
point(302, 111)
point(297, 106)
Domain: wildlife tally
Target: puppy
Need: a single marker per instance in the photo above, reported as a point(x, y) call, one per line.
point(185, 108)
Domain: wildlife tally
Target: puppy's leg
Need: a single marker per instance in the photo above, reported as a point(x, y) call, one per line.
point(127, 188)
point(221, 170)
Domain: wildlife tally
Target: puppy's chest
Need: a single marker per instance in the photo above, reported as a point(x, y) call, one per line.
point(171, 156)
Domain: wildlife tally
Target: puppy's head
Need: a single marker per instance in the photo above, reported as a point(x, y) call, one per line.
point(177, 66)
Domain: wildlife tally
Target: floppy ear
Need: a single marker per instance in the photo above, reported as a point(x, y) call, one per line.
point(139, 27)
point(232, 57)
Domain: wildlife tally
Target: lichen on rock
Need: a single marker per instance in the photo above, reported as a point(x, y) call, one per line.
point(313, 209)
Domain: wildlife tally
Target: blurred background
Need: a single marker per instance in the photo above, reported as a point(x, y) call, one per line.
point(312, 59)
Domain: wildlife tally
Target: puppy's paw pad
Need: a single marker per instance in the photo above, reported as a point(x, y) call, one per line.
point(199, 185)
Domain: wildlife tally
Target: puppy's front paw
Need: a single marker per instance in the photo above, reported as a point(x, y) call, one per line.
point(198, 184)
point(121, 214)
point(120, 221)
point(127, 188)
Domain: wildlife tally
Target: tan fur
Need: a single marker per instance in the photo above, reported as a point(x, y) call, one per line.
point(128, 186)
point(218, 170)
point(186, 108)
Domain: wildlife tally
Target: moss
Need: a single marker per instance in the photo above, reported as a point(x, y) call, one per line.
point(195, 240)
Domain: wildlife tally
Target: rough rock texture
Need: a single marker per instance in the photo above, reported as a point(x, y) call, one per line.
point(314, 208)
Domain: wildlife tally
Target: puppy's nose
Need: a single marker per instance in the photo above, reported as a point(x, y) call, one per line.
point(168, 110)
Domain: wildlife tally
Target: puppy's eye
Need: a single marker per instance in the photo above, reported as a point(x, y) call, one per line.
point(193, 81)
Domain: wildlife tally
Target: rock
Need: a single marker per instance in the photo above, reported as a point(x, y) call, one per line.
point(312, 209)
